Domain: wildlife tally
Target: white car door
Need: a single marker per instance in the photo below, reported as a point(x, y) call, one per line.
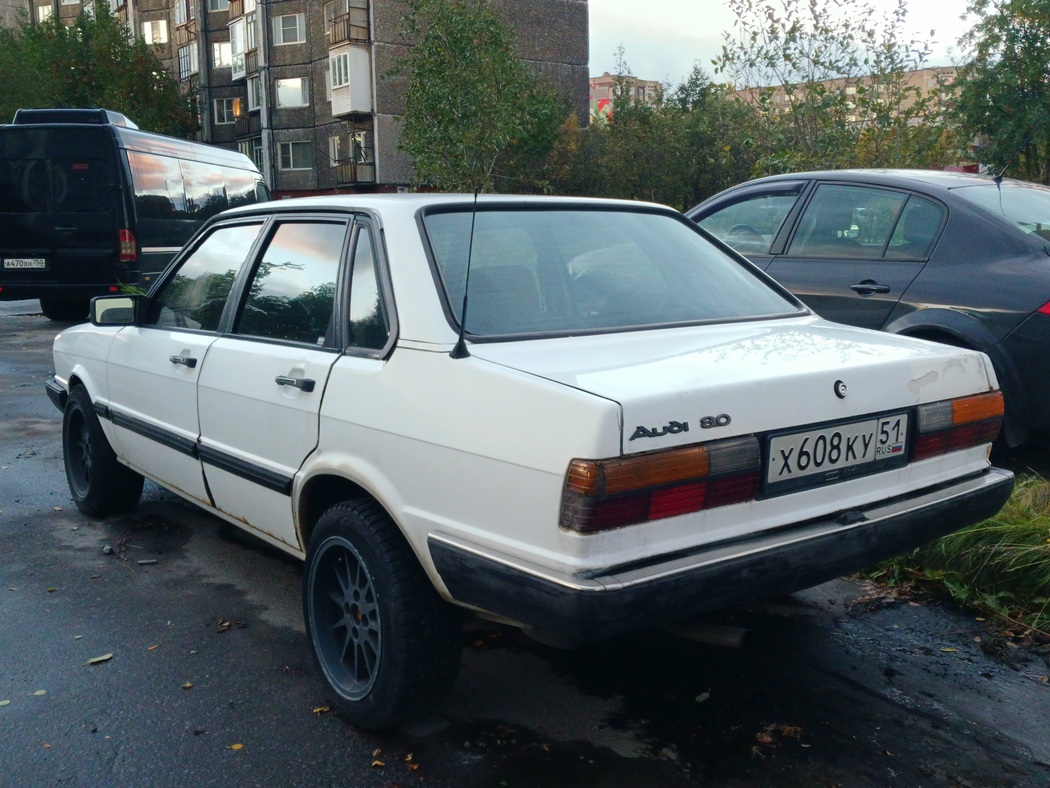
point(260, 391)
point(153, 367)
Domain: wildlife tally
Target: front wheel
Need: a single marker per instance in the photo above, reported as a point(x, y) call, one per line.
point(386, 644)
point(98, 482)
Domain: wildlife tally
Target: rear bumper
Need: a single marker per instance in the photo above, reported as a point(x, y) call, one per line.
point(585, 607)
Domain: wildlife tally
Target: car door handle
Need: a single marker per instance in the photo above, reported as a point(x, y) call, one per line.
point(186, 361)
point(869, 287)
point(304, 384)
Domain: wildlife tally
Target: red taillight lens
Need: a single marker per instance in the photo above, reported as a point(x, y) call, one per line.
point(958, 424)
point(1044, 309)
point(127, 246)
point(604, 494)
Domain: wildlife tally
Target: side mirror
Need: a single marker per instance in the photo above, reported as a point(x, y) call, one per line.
point(114, 310)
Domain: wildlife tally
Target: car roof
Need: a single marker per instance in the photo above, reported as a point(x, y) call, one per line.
point(891, 177)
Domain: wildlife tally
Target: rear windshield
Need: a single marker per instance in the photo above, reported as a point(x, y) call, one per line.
point(1025, 205)
point(569, 270)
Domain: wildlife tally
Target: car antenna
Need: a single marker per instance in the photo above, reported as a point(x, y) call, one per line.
point(1035, 127)
point(460, 349)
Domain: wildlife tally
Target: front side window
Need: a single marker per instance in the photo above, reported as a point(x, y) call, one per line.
point(293, 92)
point(297, 155)
point(194, 297)
point(289, 29)
point(749, 225)
point(292, 291)
point(561, 270)
point(847, 222)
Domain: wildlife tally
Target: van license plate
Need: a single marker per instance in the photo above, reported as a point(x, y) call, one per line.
point(25, 262)
point(838, 452)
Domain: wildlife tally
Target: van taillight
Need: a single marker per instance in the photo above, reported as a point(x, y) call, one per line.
point(127, 246)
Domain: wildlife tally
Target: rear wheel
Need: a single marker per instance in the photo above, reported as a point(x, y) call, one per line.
point(98, 482)
point(386, 644)
point(64, 311)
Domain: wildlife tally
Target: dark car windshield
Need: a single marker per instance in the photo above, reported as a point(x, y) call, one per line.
point(568, 270)
point(1025, 205)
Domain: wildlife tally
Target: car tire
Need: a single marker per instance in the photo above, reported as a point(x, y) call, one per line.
point(385, 643)
point(64, 311)
point(98, 482)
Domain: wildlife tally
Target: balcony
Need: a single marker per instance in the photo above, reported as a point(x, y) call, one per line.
point(236, 8)
point(251, 62)
point(185, 33)
point(349, 172)
point(348, 27)
point(247, 125)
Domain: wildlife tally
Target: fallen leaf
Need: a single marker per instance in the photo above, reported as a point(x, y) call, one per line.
point(147, 562)
point(322, 709)
point(150, 648)
point(52, 590)
point(703, 696)
point(408, 757)
point(949, 650)
point(764, 738)
point(97, 660)
point(5, 703)
point(57, 508)
point(378, 764)
point(40, 692)
point(236, 746)
point(980, 619)
point(187, 685)
point(413, 766)
point(77, 637)
point(47, 746)
point(376, 753)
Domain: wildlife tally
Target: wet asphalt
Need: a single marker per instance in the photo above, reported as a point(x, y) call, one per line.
point(209, 680)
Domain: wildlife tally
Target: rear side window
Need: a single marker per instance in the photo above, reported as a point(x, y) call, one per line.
point(369, 324)
point(292, 291)
point(749, 225)
point(195, 295)
point(159, 192)
point(848, 222)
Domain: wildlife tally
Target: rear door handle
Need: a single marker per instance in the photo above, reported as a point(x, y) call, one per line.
point(304, 384)
point(869, 287)
point(186, 361)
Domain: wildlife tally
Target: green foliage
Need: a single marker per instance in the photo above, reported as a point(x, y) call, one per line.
point(1004, 90)
point(1000, 566)
point(475, 114)
point(94, 63)
point(826, 83)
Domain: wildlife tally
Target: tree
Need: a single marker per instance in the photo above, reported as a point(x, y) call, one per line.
point(826, 83)
point(96, 62)
point(1004, 90)
point(475, 114)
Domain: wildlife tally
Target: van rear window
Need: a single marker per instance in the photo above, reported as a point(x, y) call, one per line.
point(79, 186)
point(23, 186)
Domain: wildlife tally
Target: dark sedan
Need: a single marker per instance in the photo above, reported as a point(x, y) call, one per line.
point(956, 258)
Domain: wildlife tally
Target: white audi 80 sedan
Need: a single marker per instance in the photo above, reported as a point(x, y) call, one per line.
point(574, 416)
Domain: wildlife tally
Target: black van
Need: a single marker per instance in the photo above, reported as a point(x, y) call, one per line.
point(91, 205)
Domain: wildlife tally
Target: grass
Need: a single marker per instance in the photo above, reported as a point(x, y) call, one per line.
point(1000, 567)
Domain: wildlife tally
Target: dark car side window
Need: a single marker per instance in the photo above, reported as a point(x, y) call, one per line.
point(195, 295)
point(291, 294)
point(848, 222)
point(750, 225)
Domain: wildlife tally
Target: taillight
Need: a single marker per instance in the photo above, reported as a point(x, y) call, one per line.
point(958, 424)
point(1044, 309)
point(127, 246)
point(603, 494)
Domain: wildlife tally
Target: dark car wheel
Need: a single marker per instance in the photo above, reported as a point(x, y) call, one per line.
point(98, 482)
point(64, 311)
point(385, 643)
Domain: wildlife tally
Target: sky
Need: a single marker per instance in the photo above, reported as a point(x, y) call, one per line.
point(663, 38)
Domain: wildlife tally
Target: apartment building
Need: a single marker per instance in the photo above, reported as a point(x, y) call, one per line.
point(602, 91)
point(306, 88)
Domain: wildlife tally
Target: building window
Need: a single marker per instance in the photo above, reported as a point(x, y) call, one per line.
point(225, 111)
point(254, 93)
point(187, 61)
point(237, 49)
point(333, 151)
point(297, 156)
point(185, 10)
point(43, 13)
point(70, 2)
point(155, 32)
point(249, 30)
point(218, 5)
point(293, 92)
point(340, 69)
point(289, 29)
point(249, 6)
point(221, 55)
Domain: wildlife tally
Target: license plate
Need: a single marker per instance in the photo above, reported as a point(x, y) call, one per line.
point(25, 262)
point(830, 454)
